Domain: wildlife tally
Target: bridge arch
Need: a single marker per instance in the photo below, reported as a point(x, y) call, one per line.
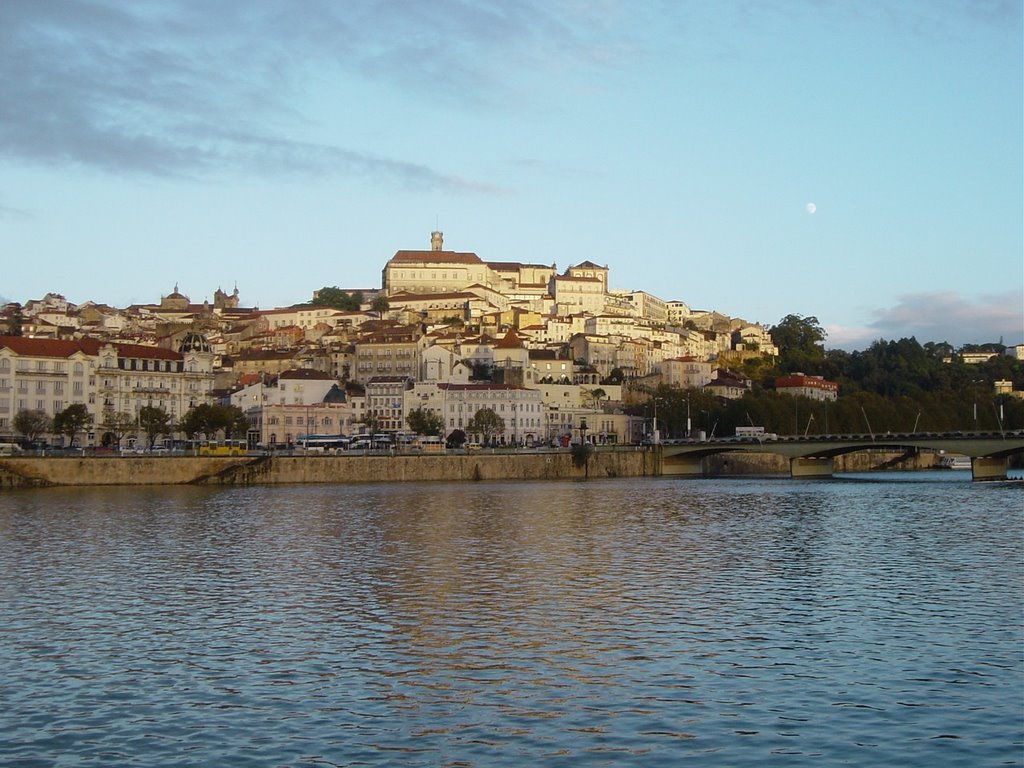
point(814, 457)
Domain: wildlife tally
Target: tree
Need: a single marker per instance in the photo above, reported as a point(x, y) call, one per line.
point(456, 439)
point(72, 420)
point(15, 321)
point(617, 376)
point(799, 340)
point(595, 396)
point(372, 424)
point(487, 423)
point(154, 422)
point(337, 299)
point(424, 422)
point(480, 371)
point(208, 420)
point(118, 424)
point(31, 424)
point(380, 305)
point(199, 420)
point(234, 421)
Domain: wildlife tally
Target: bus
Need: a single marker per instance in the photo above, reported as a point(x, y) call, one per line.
point(222, 448)
point(428, 444)
point(379, 442)
point(322, 443)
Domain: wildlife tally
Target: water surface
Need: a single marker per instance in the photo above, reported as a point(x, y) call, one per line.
point(869, 620)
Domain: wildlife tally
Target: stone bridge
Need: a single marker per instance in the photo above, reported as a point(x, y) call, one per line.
point(812, 457)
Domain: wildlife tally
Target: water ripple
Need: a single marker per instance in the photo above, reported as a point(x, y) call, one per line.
point(739, 622)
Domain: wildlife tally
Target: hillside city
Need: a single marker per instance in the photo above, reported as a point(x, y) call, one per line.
point(503, 353)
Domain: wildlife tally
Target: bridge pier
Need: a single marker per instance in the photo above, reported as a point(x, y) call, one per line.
point(988, 468)
point(811, 467)
point(682, 466)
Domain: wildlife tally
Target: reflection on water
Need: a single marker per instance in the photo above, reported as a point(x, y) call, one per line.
point(646, 622)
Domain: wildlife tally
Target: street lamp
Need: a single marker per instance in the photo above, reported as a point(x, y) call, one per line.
point(583, 432)
point(974, 391)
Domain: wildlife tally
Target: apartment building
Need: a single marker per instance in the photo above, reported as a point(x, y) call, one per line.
point(387, 352)
point(686, 372)
point(574, 295)
point(520, 409)
point(385, 401)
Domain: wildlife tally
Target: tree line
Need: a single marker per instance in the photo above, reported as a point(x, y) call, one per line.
point(152, 422)
point(892, 386)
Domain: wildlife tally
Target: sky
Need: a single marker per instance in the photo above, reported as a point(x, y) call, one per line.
point(856, 162)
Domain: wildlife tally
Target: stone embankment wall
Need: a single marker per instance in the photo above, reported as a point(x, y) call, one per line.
point(863, 461)
point(248, 470)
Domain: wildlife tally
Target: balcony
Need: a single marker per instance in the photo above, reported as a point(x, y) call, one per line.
point(36, 373)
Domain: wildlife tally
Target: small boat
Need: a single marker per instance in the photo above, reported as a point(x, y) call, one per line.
point(955, 462)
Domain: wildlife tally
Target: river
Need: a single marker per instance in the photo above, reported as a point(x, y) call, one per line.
point(868, 620)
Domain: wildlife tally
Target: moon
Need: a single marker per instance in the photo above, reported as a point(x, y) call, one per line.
point(811, 207)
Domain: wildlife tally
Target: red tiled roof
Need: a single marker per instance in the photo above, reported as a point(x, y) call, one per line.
point(22, 345)
point(398, 298)
point(25, 346)
point(511, 341)
point(435, 257)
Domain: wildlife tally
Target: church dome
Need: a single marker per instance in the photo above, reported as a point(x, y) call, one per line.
point(174, 300)
point(334, 395)
point(194, 342)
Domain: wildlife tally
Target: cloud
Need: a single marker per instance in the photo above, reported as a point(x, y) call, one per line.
point(941, 316)
point(13, 213)
point(191, 87)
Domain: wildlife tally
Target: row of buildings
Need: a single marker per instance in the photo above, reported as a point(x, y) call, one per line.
point(544, 349)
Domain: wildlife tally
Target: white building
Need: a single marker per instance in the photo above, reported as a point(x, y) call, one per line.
point(519, 408)
point(48, 375)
